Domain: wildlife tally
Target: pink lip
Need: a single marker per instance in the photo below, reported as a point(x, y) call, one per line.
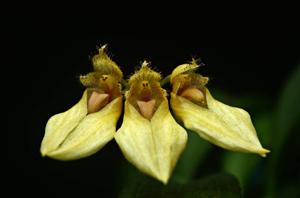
point(146, 108)
point(97, 101)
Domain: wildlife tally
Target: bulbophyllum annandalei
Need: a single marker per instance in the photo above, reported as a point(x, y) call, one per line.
point(149, 137)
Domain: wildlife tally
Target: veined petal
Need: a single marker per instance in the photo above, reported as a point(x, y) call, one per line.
point(228, 127)
point(60, 125)
point(153, 146)
point(92, 133)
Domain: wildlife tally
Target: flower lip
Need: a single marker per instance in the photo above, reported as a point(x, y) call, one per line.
point(195, 95)
point(146, 108)
point(102, 89)
point(192, 87)
point(96, 101)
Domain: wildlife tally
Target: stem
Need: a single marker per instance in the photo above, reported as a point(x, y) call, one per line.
point(165, 80)
point(124, 84)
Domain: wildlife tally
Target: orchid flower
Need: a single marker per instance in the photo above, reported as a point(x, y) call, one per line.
point(86, 127)
point(149, 137)
point(228, 127)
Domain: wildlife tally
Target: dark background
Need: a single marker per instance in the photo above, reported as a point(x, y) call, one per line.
point(47, 54)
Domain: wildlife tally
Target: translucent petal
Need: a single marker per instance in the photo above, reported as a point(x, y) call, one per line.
point(228, 127)
point(153, 146)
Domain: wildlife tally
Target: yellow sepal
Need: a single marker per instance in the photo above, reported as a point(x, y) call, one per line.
point(153, 146)
point(60, 125)
point(75, 134)
point(228, 127)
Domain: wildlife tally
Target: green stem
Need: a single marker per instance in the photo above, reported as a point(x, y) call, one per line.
point(165, 80)
point(124, 84)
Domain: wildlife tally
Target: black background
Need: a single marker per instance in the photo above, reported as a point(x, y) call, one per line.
point(47, 52)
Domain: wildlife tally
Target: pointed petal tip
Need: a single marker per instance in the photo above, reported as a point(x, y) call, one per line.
point(47, 153)
point(263, 152)
point(164, 180)
point(43, 151)
point(162, 176)
point(43, 154)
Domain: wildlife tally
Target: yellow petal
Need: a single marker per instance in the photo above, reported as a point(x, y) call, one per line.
point(76, 134)
point(93, 132)
point(181, 69)
point(228, 127)
point(153, 146)
point(60, 125)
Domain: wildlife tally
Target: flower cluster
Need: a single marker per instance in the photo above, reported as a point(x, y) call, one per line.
point(149, 137)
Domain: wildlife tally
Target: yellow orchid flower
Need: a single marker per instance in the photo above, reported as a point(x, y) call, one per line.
point(149, 136)
point(228, 127)
point(91, 123)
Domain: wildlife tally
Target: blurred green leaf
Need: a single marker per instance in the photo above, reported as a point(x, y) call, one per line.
point(220, 185)
point(287, 115)
point(248, 101)
point(240, 165)
point(193, 155)
point(290, 191)
point(288, 110)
